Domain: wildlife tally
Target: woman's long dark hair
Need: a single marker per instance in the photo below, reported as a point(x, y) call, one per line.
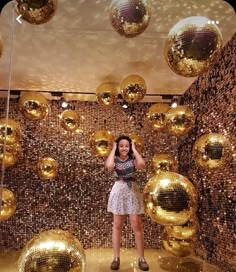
point(124, 137)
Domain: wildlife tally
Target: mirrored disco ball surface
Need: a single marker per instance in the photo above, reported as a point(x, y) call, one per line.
point(52, 251)
point(130, 17)
point(192, 45)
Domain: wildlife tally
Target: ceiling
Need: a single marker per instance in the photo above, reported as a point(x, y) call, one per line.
point(78, 49)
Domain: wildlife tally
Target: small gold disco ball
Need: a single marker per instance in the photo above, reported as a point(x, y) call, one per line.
point(70, 120)
point(10, 156)
point(133, 88)
point(138, 141)
point(169, 198)
point(164, 162)
point(186, 231)
point(33, 106)
point(178, 248)
point(47, 168)
point(52, 251)
point(106, 94)
point(8, 207)
point(179, 120)
point(10, 131)
point(212, 151)
point(36, 11)
point(101, 142)
point(156, 116)
point(192, 45)
point(130, 17)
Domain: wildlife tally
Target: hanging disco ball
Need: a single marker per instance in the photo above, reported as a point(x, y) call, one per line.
point(10, 131)
point(156, 116)
point(70, 120)
point(192, 45)
point(47, 168)
point(33, 106)
point(52, 251)
point(36, 11)
point(164, 162)
point(130, 17)
point(179, 120)
point(133, 88)
point(10, 155)
point(169, 198)
point(106, 94)
point(212, 151)
point(101, 142)
point(8, 207)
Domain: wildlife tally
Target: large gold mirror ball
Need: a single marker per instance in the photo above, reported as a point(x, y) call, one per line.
point(130, 17)
point(186, 231)
point(52, 251)
point(10, 131)
point(70, 120)
point(47, 168)
point(133, 88)
point(179, 120)
point(8, 204)
point(33, 106)
point(137, 140)
point(212, 151)
point(156, 116)
point(10, 155)
point(169, 198)
point(36, 11)
point(101, 142)
point(192, 45)
point(106, 94)
point(164, 162)
point(178, 248)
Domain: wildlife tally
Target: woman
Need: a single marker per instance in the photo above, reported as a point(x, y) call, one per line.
point(125, 197)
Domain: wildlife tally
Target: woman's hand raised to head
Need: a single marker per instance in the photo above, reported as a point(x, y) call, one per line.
point(114, 146)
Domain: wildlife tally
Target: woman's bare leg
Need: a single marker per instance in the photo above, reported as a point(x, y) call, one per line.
point(118, 221)
point(136, 224)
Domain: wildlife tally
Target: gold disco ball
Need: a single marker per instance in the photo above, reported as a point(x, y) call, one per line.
point(169, 198)
point(47, 168)
point(164, 162)
point(133, 89)
point(10, 131)
point(178, 248)
point(33, 105)
point(186, 231)
point(101, 142)
point(11, 154)
point(156, 116)
point(138, 141)
point(192, 45)
point(130, 17)
point(8, 207)
point(212, 151)
point(179, 120)
point(106, 94)
point(70, 120)
point(36, 11)
point(52, 251)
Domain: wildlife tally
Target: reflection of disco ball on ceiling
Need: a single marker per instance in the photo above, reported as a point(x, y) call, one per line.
point(170, 198)
point(212, 151)
point(36, 11)
point(130, 17)
point(192, 45)
point(52, 251)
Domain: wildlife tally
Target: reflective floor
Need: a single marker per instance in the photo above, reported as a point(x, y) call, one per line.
point(98, 260)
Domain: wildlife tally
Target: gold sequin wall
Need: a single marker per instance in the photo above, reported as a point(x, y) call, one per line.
point(213, 99)
point(76, 200)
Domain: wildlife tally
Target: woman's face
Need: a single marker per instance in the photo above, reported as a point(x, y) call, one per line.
point(123, 147)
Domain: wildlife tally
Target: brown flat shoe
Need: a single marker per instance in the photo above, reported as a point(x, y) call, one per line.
point(115, 265)
point(142, 264)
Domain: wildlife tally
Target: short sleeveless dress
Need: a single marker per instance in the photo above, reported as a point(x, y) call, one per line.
point(125, 196)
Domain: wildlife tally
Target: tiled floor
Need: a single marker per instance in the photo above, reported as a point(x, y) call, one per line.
point(98, 260)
